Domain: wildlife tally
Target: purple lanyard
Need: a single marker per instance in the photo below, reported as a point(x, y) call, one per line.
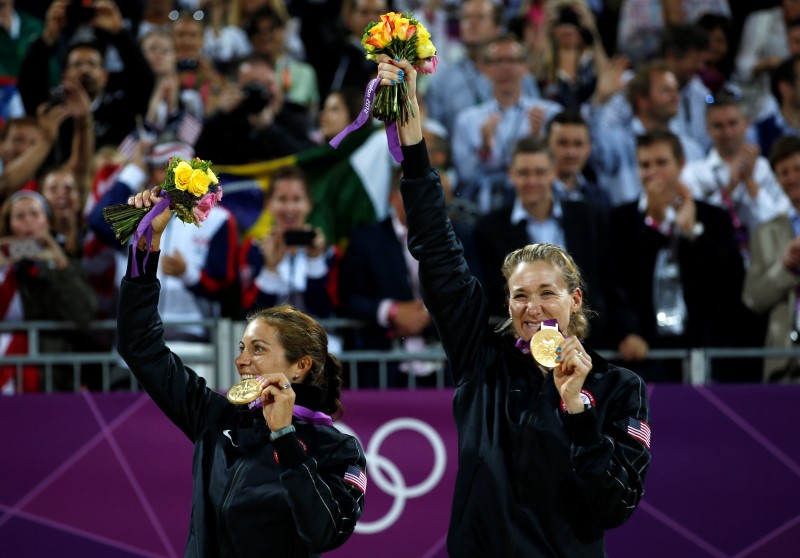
point(314, 417)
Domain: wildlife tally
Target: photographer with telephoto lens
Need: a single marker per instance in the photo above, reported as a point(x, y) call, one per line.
point(251, 122)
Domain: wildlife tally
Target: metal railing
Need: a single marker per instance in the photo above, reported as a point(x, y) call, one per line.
point(218, 353)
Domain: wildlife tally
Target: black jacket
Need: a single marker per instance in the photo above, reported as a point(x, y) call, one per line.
point(709, 264)
point(250, 496)
point(532, 480)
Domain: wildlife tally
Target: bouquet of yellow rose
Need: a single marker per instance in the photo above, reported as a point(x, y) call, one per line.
point(190, 189)
point(399, 36)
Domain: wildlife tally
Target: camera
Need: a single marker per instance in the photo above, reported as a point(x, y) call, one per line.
point(80, 11)
point(298, 237)
point(57, 97)
point(255, 97)
point(24, 249)
point(187, 64)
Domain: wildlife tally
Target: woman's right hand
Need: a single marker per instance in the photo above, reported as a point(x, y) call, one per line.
point(149, 198)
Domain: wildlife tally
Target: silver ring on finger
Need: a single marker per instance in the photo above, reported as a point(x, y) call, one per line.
point(287, 385)
point(579, 353)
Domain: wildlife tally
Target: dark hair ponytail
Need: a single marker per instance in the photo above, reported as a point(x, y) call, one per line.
point(333, 376)
point(301, 335)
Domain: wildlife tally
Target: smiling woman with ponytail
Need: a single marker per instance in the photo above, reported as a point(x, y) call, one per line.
point(272, 477)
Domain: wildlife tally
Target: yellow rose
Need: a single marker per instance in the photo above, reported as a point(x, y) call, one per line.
point(423, 35)
point(198, 182)
point(183, 174)
point(212, 177)
point(425, 50)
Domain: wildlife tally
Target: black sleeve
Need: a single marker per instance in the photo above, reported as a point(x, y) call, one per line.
point(452, 295)
point(177, 390)
point(610, 462)
point(323, 490)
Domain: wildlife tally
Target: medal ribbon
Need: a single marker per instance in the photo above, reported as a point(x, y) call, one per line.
point(314, 417)
point(300, 413)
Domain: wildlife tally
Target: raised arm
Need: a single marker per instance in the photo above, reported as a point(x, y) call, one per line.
point(177, 390)
point(450, 292)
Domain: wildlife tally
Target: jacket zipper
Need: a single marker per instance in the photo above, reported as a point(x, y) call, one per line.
point(526, 438)
point(226, 503)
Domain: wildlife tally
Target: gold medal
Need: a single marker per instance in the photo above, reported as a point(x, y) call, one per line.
point(245, 391)
point(544, 344)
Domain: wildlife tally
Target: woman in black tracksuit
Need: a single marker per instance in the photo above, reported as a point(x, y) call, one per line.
point(276, 481)
point(548, 458)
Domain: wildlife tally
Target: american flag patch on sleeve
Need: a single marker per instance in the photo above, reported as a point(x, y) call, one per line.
point(640, 430)
point(355, 476)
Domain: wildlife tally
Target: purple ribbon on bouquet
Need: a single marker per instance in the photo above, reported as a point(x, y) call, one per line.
point(364, 116)
point(145, 229)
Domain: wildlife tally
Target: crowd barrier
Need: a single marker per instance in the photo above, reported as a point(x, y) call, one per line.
point(218, 353)
point(106, 476)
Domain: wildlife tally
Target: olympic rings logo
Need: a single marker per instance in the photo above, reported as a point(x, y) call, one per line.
point(388, 477)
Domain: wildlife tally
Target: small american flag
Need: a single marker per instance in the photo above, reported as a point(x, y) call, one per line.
point(355, 476)
point(128, 145)
point(189, 129)
point(640, 430)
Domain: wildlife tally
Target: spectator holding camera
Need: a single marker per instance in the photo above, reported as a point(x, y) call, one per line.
point(170, 106)
point(292, 263)
point(251, 122)
point(37, 282)
point(28, 141)
point(196, 71)
point(267, 34)
point(116, 99)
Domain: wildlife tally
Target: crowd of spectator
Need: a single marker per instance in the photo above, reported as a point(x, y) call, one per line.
point(657, 141)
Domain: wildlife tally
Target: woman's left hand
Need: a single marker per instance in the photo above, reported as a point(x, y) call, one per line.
point(391, 73)
point(318, 245)
point(277, 400)
point(570, 374)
